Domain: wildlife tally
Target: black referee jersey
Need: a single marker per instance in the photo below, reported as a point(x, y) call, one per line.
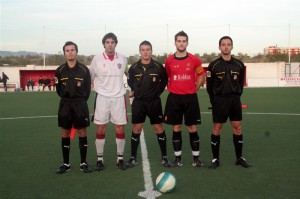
point(73, 82)
point(225, 77)
point(147, 81)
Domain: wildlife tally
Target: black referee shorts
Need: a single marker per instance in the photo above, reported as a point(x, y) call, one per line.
point(73, 111)
point(141, 108)
point(225, 107)
point(179, 106)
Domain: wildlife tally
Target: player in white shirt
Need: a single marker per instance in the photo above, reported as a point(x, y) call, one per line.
point(107, 70)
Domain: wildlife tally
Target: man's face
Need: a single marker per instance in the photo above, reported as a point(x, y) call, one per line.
point(110, 46)
point(70, 53)
point(226, 47)
point(181, 43)
point(146, 52)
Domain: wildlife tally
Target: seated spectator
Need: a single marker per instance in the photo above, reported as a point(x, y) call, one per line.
point(41, 83)
point(47, 83)
point(52, 82)
point(30, 83)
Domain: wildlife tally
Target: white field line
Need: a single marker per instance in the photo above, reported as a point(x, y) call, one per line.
point(256, 113)
point(28, 117)
point(285, 114)
point(34, 117)
point(246, 113)
point(149, 192)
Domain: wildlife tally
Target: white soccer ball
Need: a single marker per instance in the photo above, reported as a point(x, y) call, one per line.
point(165, 182)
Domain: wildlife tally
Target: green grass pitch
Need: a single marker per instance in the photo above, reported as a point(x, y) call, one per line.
point(30, 152)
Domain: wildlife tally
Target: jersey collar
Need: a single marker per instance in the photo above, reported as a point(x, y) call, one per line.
point(106, 57)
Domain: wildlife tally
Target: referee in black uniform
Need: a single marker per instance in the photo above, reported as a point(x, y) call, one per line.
point(147, 79)
point(225, 81)
point(73, 85)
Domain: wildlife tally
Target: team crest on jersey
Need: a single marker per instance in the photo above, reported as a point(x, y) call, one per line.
point(208, 74)
point(103, 65)
point(188, 64)
point(119, 65)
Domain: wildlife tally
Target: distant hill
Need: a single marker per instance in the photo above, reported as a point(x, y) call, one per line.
point(18, 54)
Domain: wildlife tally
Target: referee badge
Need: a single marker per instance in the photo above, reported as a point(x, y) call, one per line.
point(208, 74)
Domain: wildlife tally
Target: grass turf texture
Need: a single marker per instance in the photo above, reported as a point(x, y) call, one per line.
point(31, 152)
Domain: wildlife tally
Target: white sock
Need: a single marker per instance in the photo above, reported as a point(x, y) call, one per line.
point(120, 147)
point(100, 148)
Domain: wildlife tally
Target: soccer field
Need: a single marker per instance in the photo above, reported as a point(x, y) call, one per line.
point(31, 152)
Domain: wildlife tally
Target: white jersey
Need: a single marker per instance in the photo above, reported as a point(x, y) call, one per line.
point(107, 75)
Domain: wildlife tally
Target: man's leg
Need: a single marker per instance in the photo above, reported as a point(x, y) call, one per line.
point(100, 142)
point(120, 141)
point(82, 136)
point(215, 145)
point(65, 145)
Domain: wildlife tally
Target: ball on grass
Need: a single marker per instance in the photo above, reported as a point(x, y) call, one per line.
point(165, 182)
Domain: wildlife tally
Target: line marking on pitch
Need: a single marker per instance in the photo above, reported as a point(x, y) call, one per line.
point(287, 114)
point(256, 113)
point(34, 117)
point(51, 116)
point(149, 192)
point(28, 117)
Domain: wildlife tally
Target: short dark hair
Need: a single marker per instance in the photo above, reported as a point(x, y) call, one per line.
point(225, 37)
point(183, 34)
point(68, 43)
point(147, 43)
point(110, 35)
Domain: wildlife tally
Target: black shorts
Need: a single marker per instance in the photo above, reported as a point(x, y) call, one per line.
point(73, 111)
point(178, 106)
point(227, 106)
point(141, 108)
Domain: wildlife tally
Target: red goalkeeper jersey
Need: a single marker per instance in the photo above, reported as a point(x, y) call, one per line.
point(183, 73)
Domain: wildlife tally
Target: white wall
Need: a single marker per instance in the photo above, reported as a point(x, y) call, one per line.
point(270, 75)
point(263, 74)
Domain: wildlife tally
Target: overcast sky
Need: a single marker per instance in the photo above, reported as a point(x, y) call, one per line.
point(40, 25)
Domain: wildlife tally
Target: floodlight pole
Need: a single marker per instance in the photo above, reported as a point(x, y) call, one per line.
point(167, 39)
point(44, 27)
point(289, 44)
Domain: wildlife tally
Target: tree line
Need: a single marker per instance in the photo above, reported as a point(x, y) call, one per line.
point(58, 59)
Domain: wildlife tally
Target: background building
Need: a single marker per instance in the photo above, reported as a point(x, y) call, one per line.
point(271, 50)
